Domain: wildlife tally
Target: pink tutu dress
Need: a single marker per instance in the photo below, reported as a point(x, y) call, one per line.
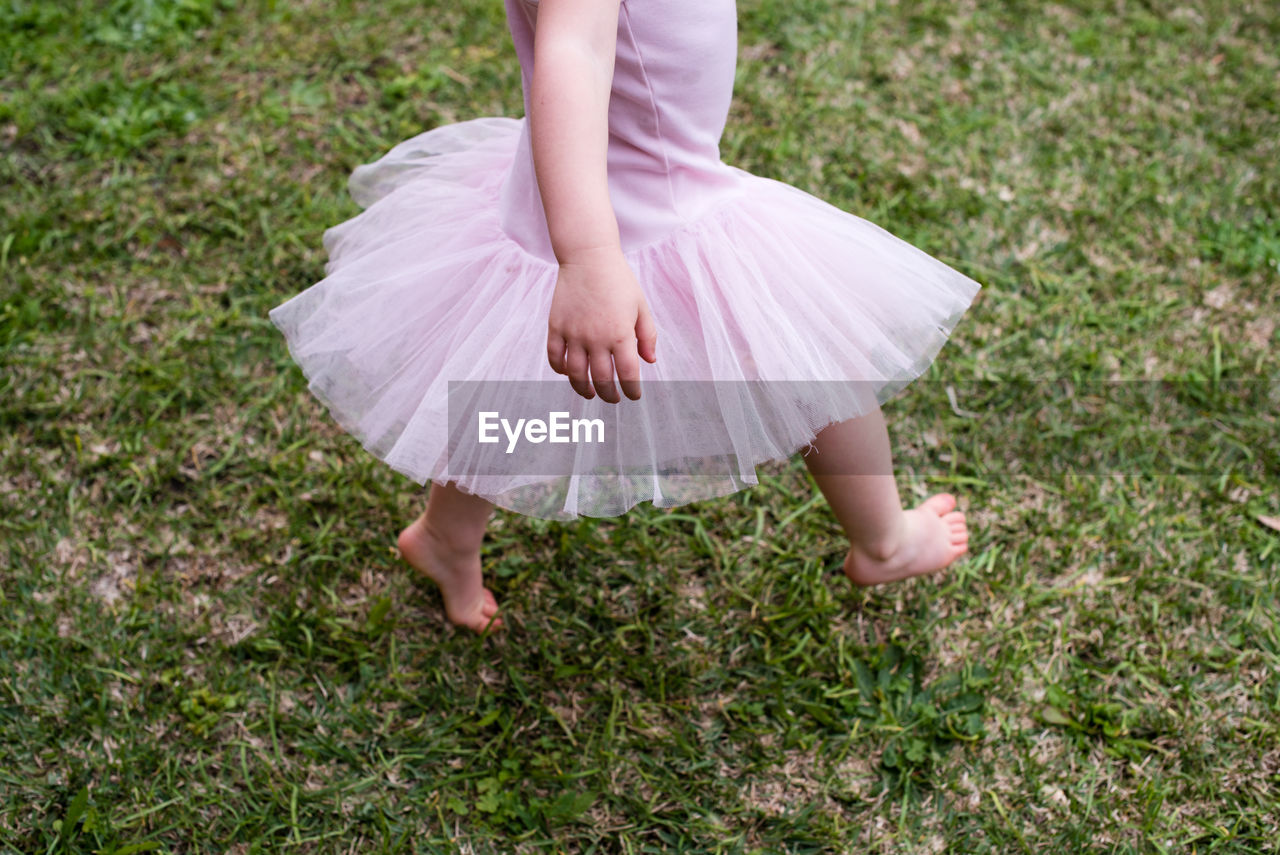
point(777, 313)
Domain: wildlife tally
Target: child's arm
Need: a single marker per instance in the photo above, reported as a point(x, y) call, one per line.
point(599, 319)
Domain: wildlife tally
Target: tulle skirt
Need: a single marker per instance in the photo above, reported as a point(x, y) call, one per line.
point(777, 315)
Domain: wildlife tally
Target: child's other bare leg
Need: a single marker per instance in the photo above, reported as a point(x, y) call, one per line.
point(444, 544)
point(853, 466)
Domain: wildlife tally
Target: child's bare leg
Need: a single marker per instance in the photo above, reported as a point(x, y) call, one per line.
point(853, 466)
point(444, 544)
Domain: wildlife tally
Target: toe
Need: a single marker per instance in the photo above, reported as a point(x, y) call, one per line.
point(941, 504)
point(485, 623)
point(489, 612)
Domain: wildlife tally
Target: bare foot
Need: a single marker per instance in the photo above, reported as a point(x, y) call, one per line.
point(467, 602)
point(931, 536)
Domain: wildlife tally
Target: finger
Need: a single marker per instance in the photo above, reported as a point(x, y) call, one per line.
point(646, 335)
point(627, 364)
point(602, 375)
point(576, 363)
point(555, 352)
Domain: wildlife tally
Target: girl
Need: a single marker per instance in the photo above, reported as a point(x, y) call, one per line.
point(495, 254)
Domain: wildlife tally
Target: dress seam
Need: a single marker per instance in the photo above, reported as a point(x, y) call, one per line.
point(653, 105)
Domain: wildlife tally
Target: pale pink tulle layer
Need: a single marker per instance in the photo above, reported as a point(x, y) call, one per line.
point(423, 287)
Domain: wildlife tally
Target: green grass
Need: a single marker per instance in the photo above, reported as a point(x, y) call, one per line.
point(209, 645)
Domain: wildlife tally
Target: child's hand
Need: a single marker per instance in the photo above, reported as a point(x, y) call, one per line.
point(600, 321)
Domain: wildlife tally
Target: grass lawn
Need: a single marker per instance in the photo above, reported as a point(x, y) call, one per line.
point(208, 643)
